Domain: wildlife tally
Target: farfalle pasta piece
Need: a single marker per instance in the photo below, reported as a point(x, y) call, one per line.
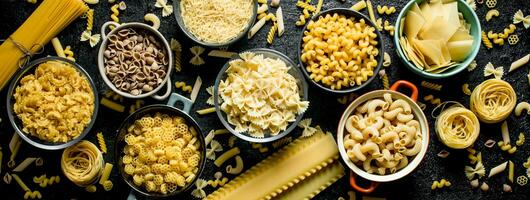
point(166, 9)
point(478, 170)
point(491, 70)
point(196, 59)
point(519, 17)
point(306, 125)
point(198, 192)
point(215, 146)
point(93, 40)
point(210, 100)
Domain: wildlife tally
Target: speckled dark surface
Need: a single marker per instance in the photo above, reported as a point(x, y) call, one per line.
point(324, 108)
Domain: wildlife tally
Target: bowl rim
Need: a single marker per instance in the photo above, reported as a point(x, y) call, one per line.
point(350, 13)
point(456, 70)
point(151, 109)
point(104, 44)
point(182, 26)
point(412, 165)
point(244, 135)
point(34, 141)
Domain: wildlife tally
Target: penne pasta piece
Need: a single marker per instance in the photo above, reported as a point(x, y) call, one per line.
point(256, 27)
point(498, 169)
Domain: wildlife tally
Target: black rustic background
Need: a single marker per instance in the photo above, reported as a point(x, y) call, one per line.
point(324, 109)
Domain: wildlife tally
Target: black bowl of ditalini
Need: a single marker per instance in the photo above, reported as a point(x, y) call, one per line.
point(383, 136)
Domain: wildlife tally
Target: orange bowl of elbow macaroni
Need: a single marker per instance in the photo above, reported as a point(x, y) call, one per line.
point(383, 136)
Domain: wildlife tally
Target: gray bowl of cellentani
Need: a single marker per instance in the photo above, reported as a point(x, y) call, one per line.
point(135, 60)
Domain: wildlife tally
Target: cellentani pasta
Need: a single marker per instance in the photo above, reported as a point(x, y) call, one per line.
point(161, 154)
point(216, 21)
point(55, 104)
point(493, 100)
point(383, 135)
point(260, 96)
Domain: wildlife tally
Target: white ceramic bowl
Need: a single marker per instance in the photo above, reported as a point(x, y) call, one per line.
point(418, 113)
point(158, 35)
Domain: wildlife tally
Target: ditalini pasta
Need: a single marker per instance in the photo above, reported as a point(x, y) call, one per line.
point(493, 100)
point(382, 135)
point(216, 21)
point(518, 63)
point(82, 163)
point(457, 127)
point(282, 170)
point(35, 32)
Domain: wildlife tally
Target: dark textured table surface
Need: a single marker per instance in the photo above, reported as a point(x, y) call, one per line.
point(324, 109)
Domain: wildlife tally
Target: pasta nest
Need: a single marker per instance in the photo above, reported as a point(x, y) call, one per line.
point(493, 100)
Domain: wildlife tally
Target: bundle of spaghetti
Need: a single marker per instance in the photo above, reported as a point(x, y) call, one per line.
point(82, 163)
point(493, 100)
point(50, 18)
point(457, 127)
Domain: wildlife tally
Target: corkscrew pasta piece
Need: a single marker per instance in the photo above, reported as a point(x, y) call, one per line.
point(69, 53)
point(520, 139)
point(491, 3)
point(282, 142)
point(305, 6)
point(386, 10)
point(43, 181)
point(359, 5)
point(196, 51)
point(478, 170)
point(166, 9)
point(176, 47)
point(497, 72)
point(492, 13)
point(198, 192)
point(260, 147)
point(226, 155)
point(486, 41)
point(272, 33)
point(115, 13)
point(522, 180)
point(432, 100)
point(150, 17)
point(183, 86)
point(432, 86)
point(519, 17)
point(89, 19)
point(465, 89)
point(384, 78)
point(235, 169)
point(440, 184)
point(218, 182)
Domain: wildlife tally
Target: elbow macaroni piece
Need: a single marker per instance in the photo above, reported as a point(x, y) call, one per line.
point(492, 13)
point(150, 17)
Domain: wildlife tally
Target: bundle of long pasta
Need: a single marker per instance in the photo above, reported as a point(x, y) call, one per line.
point(50, 18)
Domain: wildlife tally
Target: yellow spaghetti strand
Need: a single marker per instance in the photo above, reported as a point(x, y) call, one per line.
point(272, 33)
point(101, 141)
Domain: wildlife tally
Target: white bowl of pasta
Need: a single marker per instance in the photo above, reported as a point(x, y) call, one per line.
point(383, 136)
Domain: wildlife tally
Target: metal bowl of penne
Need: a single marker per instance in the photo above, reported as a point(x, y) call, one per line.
point(260, 95)
point(52, 103)
point(160, 150)
point(215, 23)
point(383, 136)
point(340, 50)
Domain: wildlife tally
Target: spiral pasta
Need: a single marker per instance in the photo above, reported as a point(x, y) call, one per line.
point(82, 163)
point(89, 19)
point(486, 41)
point(69, 53)
point(432, 86)
point(457, 127)
point(440, 184)
point(272, 33)
point(183, 86)
point(43, 181)
point(101, 142)
point(386, 10)
point(493, 100)
point(115, 13)
point(306, 6)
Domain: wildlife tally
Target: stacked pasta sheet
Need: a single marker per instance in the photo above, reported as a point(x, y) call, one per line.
point(436, 36)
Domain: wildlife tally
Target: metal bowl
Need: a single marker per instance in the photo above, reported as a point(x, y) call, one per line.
point(294, 71)
point(172, 111)
point(180, 22)
point(17, 123)
point(413, 163)
point(356, 15)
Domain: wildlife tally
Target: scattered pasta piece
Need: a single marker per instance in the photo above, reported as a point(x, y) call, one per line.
point(519, 17)
point(275, 3)
point(122, 5)
point(101, 142)
point(236, 169)
point(89, 19)
point(58, 47)
point(522, 180)
point(492, 13)
point(498, 169)
point(387, 61)
point(431, 99)
point(114, 16)
point(486, 41)
point(257, 26)
point(281, 25)
point(472, 66)
point(305, 124)
point(91, 188)
point(105, 174)
point(511, 171)
point(231, 141)
point(386, 10)
point(474, 158)
point(384, 78)
point(150, 17)
point(491, 3)
point(484, 187)
point(206, 111)
point(359, 5)
point(210, 100)
point(24, 164)
point(43, 181)
point(7, 178)
point(221, 54)
point(472, 4)
point(443, 154)
point(507, 147)
point(282, 142)
point(506, 188)
point(183, 86)
point(478, 170)
point(490, 143)
point(520, 62)
point(474, 183)
point(260, 147)
point(272, 33)
point(225, 156)
point(69, 53)
point(166, 9)
point(513, 39)
point(440, 184)
point(221, 131)
point(196, 88)
point(198, 192)
point(32, 1)
point(465, 89)
point(215, 146)
point(93, 40)
point(177, 48)
point(112, 105)
point(371, 13)
point(491, 70)
point(432, 86)
point(319, 7)
point(107, 185)
point(14, 147)
point(388, 27)
point(520, 139)
point(197, 51)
